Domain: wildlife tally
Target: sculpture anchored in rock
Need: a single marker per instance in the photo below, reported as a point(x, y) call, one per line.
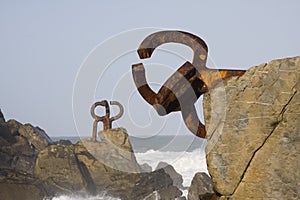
point(107, 120)
point(186, 85)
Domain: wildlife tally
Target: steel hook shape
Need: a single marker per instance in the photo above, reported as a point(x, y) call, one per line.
point(186, 85)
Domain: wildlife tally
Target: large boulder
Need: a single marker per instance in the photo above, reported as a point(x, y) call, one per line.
point(19, 147)
point(157, 182)
point(175, 176)
point(111, 167)
point(36, 136)
point(201, 187)
point(114, 150)
point(102, 177)
point(57, 167)
point(253, 133)
point(117, 137)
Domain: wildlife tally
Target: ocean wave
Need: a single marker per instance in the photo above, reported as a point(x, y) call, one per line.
point(185, 163)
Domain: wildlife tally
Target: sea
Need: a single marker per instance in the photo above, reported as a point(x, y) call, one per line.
point(184, 152)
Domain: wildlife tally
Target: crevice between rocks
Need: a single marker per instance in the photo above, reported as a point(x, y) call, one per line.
point(86, 176)
point(275, 125)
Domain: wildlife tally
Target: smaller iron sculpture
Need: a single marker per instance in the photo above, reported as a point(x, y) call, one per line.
point(106, 120)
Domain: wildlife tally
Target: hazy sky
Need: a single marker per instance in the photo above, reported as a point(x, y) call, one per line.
point(44, 43)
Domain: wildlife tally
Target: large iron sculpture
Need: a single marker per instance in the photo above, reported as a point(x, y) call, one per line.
point(186, 85)
point(106, 119)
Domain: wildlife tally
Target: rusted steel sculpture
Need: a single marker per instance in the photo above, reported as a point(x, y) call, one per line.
point(107, 120)
point(186, 85)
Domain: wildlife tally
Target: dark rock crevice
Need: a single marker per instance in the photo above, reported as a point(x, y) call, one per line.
point(86, 176)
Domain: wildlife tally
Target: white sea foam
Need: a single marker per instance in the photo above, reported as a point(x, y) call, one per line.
point(185, 163)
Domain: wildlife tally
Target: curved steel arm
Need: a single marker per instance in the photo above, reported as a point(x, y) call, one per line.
point(199, 47)
point(100, 103)
point(120, 112)
point(186, 85)
point(139, 77)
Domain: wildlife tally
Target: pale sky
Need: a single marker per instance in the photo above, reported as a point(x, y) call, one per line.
point(44, 43)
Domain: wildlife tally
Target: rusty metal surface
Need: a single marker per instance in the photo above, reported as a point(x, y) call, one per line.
point(106, 119)
point(186, 85)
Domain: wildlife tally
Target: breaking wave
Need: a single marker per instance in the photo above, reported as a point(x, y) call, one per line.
point(185, 163)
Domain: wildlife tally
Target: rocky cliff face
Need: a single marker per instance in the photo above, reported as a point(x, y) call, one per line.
point(253, 125)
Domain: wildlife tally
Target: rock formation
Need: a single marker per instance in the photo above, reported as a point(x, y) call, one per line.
point(201, 187)
point(169, 169)
point(32, 166)
point(114, 150)
point(145, 167)
point(57, 167)
point(2, 119)
point(111, 166)
point(253, 128)
point(19, 146)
